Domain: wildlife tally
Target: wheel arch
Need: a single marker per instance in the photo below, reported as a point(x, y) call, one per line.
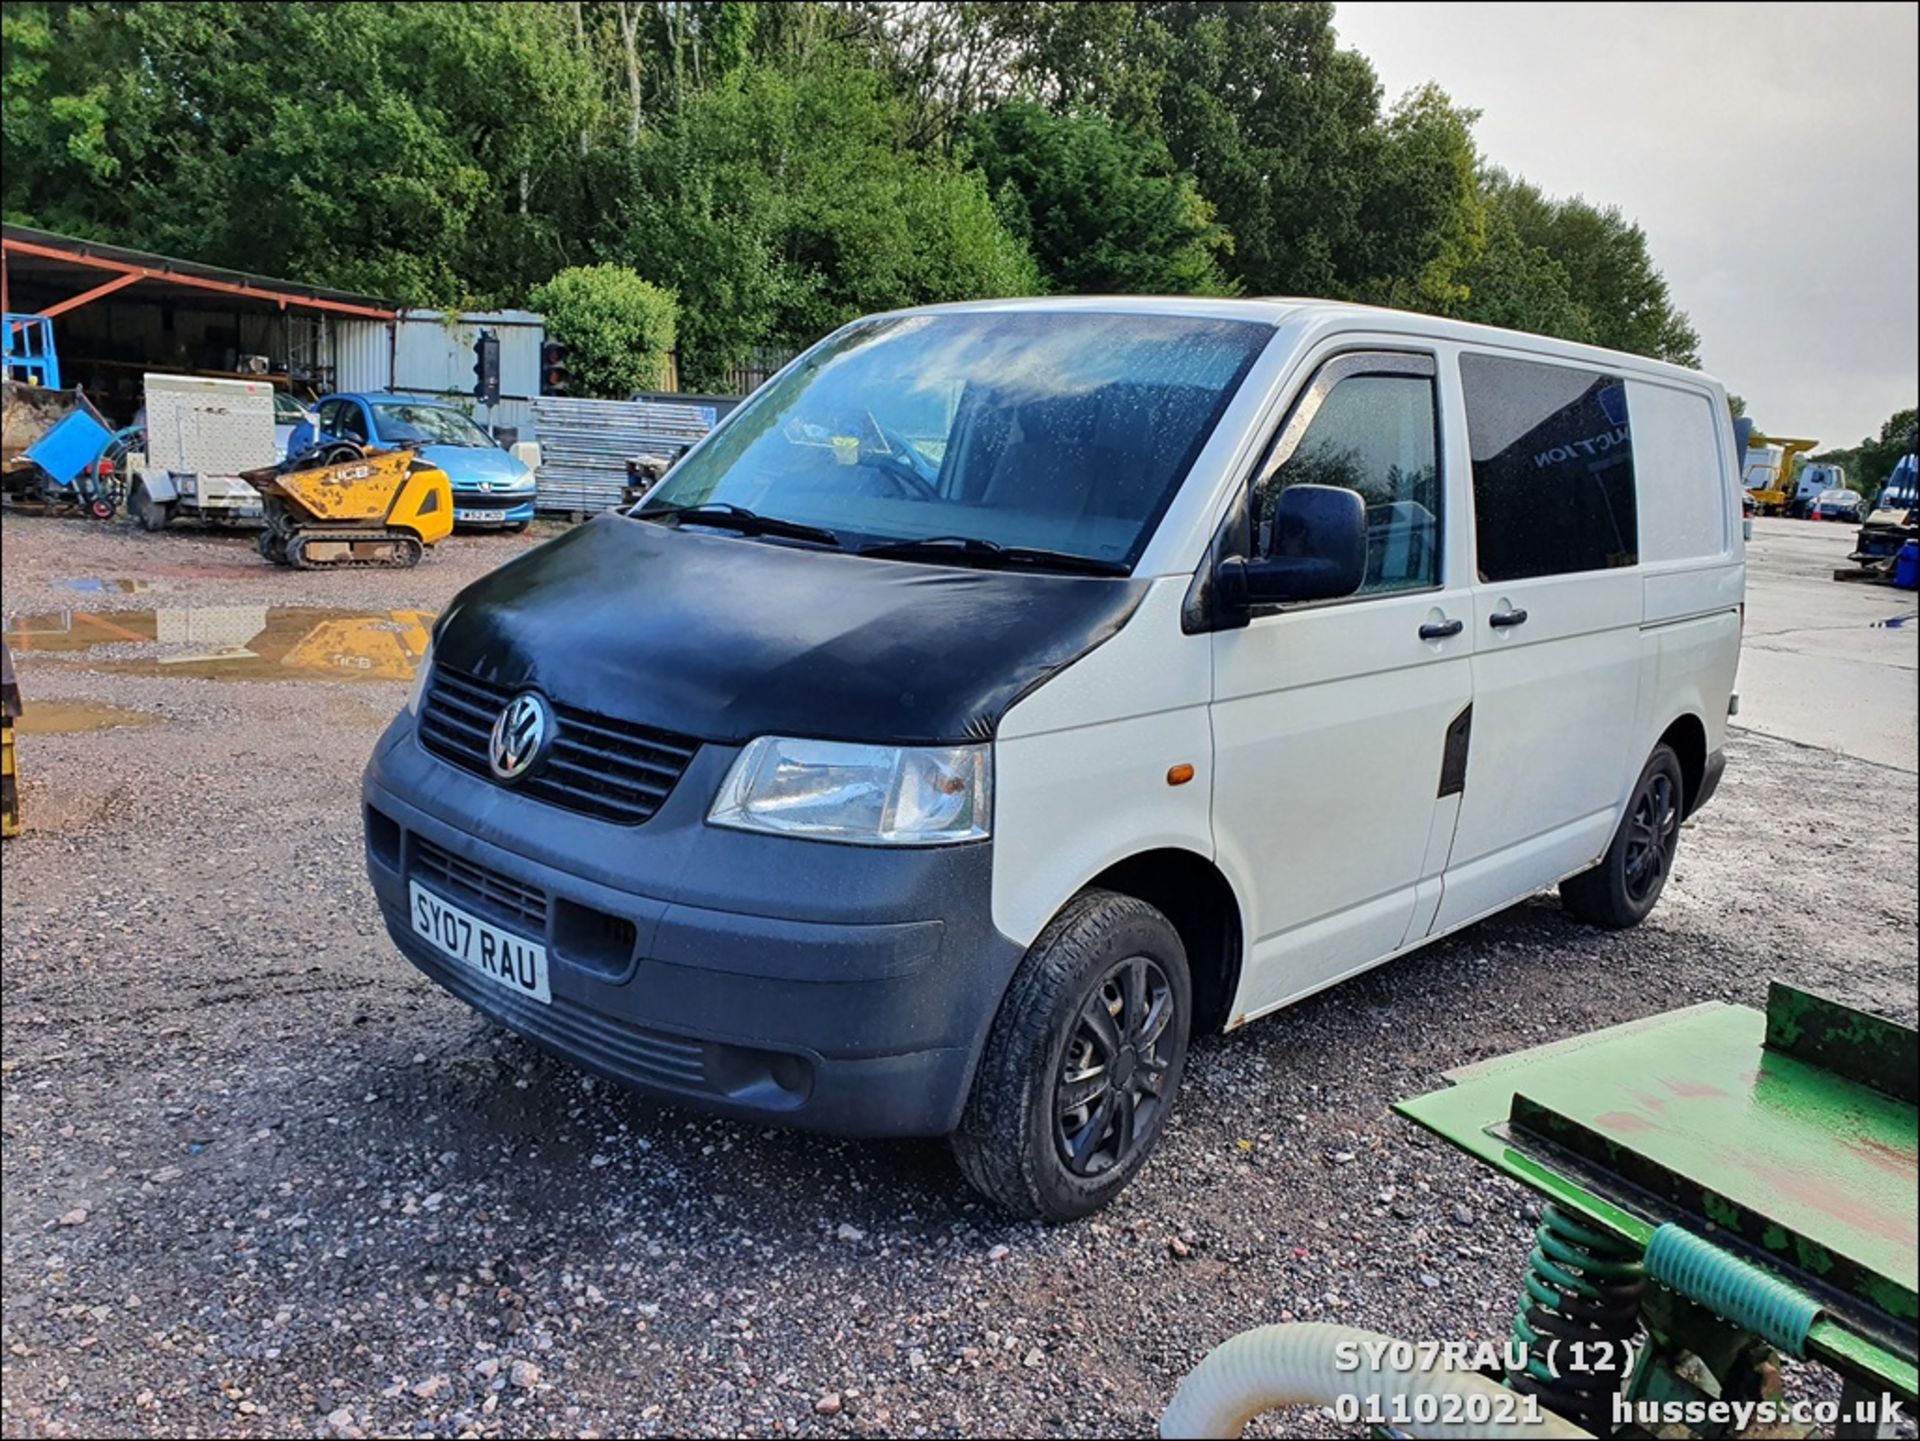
point(1194, 895)
point(1686, 735)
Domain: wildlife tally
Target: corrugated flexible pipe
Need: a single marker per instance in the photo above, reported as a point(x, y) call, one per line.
point(1273, 1366)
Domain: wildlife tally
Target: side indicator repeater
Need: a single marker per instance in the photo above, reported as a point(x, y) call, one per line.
point(1179, 775)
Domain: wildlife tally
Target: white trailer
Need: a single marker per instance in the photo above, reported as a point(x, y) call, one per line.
point(202, 435)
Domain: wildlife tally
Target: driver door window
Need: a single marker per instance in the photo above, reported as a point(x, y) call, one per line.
point(1374, 434)
point(352, 421)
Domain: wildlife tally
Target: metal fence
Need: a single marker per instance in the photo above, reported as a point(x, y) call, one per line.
point(585, 444)
point(761, 363)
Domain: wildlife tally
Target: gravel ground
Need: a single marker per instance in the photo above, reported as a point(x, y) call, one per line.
point(261, 1178)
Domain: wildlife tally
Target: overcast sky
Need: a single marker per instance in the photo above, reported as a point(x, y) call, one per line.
point(1769, 151)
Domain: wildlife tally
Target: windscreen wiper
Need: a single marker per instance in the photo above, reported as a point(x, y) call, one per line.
point(968, 549)
point(738, 517)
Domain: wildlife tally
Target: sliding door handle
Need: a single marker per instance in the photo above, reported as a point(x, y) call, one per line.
point(1500, 620)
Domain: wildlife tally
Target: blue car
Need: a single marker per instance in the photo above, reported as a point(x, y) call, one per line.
point(491, 489)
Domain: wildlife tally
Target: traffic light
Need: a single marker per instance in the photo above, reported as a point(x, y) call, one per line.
point(554, 377)
point(486, 369)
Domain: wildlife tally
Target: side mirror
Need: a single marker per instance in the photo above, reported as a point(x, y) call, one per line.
point(1319, 550)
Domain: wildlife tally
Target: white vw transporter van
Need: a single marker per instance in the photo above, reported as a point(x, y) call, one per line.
point(1008, 691)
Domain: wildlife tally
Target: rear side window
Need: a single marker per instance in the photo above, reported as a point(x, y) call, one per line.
point(1677, 460)
point(1553, 478)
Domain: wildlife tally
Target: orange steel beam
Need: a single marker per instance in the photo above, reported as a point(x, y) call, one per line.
point(74, 302)
point(174, 277)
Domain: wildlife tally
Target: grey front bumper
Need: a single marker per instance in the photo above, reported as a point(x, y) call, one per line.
point(839, 988)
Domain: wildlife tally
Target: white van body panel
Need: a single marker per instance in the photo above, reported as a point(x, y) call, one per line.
point(1315, 732)
point(1080, 765)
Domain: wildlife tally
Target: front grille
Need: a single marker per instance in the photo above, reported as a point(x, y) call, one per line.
point(490, 499)
point(514, 903)
point(611, 769)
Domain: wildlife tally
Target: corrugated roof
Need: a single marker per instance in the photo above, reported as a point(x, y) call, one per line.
point(45, 269)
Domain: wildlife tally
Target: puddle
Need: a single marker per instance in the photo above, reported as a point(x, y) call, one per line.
point(113, 584)
point(232, 642)
point(1892, 622)
point(64, 717)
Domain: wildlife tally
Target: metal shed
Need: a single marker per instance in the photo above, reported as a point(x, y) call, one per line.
point(430, 352)
point(118, 313)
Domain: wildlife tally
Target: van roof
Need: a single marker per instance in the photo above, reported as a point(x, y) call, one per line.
point(1324, 315)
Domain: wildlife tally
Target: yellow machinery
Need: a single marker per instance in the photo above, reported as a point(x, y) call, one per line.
point(9, 783)
point(1773, 492)
point(340, 505)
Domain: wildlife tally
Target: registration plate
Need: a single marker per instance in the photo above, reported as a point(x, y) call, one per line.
point(509, 961)
point(467, 513)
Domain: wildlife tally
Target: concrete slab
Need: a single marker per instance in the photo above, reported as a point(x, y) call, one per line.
point(1830, 664)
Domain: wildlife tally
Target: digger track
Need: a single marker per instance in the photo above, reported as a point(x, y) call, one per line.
point(409, 547)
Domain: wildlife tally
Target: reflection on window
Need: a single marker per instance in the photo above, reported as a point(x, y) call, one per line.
point(1375, 434)
point(1553, 485)
point(1066, 431)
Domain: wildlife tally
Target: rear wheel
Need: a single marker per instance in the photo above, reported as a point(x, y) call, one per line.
point(1082, 1063)
point(1623, 887)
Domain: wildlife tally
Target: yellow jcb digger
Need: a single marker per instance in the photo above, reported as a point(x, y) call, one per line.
point(341, 504)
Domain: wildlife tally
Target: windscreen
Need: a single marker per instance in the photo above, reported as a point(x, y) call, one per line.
point(1065, 432)
point(400, 421)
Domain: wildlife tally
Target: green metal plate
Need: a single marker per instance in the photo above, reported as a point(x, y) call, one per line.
point(1689, 1117)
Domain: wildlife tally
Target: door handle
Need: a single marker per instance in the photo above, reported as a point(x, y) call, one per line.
point(1500, 620)
point(1442, 629)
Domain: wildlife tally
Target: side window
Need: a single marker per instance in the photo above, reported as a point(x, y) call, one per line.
point(353, 421)
point(1373, 434)
point(329, 417)
point(1553, 481)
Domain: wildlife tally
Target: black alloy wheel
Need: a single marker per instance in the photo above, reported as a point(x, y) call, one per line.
point(1653, 834)
point(1082, 1061)
point(1622, 886)
point(1108, 1096)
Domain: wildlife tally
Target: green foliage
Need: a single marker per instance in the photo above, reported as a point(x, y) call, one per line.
point(781, 168)
point(618, 328)
point(374, 147)
point(784, 203)
point(1102, 209)
point(1611, 277)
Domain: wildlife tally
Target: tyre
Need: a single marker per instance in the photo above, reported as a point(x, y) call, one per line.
point(1082, 1063)
point(1622, 888)
point(152, 514)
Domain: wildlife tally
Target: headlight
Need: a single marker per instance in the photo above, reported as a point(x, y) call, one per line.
point(422, 673)
point(867, 795)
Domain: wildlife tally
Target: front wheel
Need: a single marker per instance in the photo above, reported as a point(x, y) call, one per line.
point(1622, 888)
point(1082, 1063)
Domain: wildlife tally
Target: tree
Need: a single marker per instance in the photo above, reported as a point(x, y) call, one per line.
point(618, 329)
point(781, 204)
point(781, 167)
point(1103, 210)
point(1274, 121)
point(1610, 272)
point(398, 150)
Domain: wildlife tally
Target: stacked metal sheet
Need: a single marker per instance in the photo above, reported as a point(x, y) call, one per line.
point(585, 444)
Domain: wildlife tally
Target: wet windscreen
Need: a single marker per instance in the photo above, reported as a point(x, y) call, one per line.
point(400, 422)
point(1060, 431)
